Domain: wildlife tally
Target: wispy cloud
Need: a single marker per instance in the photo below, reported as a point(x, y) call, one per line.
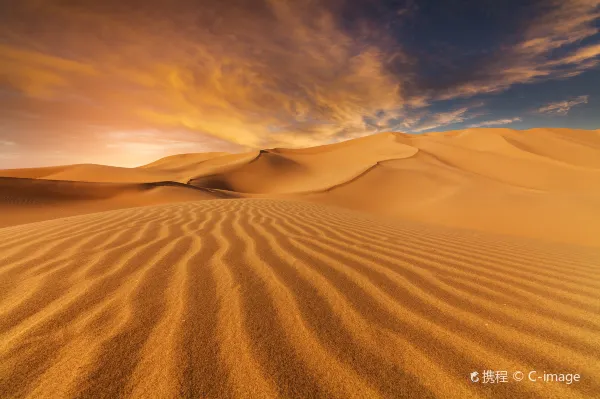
point(562, 107)
point(444, 119)
point(546, 52)
point(497, 122)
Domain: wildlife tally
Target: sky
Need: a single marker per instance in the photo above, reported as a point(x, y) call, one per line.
point(125, 82)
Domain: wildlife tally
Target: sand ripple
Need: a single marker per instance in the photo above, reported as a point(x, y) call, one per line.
point(256, 298)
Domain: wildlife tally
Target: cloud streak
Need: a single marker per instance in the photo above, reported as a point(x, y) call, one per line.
point(444, 119)
point(562, 107)
point(497, 122)
point(549, 50)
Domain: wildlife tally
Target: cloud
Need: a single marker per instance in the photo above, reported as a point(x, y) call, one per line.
point(562, 107)
point(426, 120)
point(36, 74)
point(496, 122)
point(227, 71)
point(444, 119)
point(550, 49)
point(585, 55)
point(256, 73)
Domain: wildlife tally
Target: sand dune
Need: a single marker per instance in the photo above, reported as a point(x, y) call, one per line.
point(32, 200)
point(279, 171)
point(266, 298)
point(85, 172)
point(482, 183)
point(182, 161)
point(384, 267)
point(177, 168)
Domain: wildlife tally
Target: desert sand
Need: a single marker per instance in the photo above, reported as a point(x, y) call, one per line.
point(388, 266)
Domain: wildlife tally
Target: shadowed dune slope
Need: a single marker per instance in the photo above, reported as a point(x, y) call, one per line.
point(266, 299)
point(31, 200)
point(279, 171)
point(88, 172)
point(266, 173)
point(178, 168)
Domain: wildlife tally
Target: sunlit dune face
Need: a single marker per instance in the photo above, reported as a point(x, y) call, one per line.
point(232, 75)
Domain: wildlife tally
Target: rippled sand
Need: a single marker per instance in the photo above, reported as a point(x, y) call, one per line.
point(207, 292)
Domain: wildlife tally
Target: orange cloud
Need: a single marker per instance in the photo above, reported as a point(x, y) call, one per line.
point(233, 79)
point(37, 74)
point(255, 73)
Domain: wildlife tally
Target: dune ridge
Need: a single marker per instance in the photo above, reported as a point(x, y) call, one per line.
point(452, 178)
point(272, 298)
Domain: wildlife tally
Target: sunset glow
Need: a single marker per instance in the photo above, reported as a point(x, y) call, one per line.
point(172, 76)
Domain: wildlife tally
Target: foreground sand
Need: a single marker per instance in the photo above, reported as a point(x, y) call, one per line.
point(264, 298)
point(388, 266)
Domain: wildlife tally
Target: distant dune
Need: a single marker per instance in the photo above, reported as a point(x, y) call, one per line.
point(538, 183)
point(31, 200)
point(383, 267)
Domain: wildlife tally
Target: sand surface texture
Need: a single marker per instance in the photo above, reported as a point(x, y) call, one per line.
point(384, 267)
